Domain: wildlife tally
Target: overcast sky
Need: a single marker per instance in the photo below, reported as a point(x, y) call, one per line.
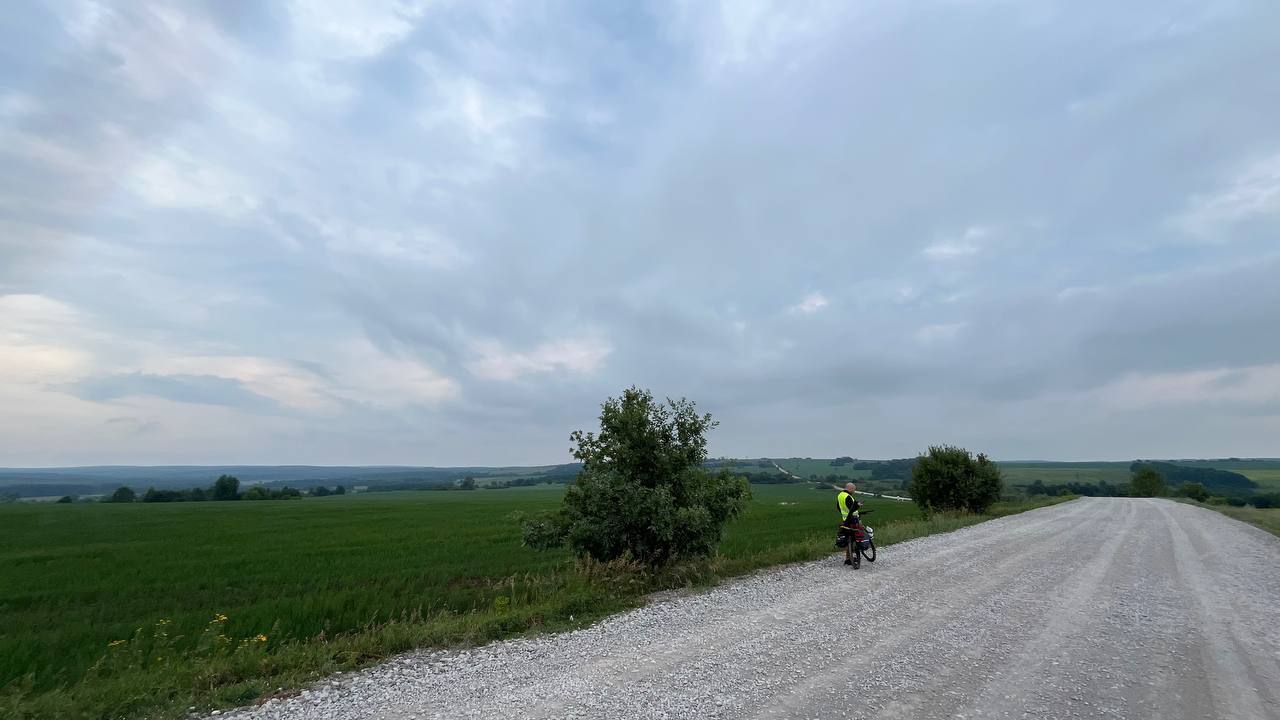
point(443, 232)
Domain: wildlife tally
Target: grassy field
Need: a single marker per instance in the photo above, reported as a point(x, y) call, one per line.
point(1268, 519)
point(125, 610)
point(1268, 479)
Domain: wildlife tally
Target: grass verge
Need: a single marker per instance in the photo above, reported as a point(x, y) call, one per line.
point(1268, 519)
point(148, 610)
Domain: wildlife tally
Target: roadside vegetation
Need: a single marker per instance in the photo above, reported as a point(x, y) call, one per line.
point(129, 609)
point(150, 603)
point(321, 585)
point(1266, 518)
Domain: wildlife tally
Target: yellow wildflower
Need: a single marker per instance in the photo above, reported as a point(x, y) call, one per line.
point(261, 638)
point(114, 643)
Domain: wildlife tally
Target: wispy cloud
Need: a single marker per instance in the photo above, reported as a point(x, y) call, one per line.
point(938, 332)
point(572, 356)
point(970, 242)
point(812, 303)
point(197, 389)
point(1254, 193)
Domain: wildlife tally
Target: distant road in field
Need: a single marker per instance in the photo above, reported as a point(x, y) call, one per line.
point(1097, 608)
point(788, 473)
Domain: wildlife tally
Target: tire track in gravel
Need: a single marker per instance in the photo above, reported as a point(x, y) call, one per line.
point(1099, 608)
point(1243, 677)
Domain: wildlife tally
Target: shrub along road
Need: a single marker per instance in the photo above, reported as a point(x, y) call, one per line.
point(1095, 608)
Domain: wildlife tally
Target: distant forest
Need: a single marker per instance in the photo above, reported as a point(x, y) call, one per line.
point(1217, 477)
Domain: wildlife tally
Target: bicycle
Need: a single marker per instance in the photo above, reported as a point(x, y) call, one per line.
point(863, 537)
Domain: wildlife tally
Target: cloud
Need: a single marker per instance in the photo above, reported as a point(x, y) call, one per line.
point(940, 332)
point(30, 330)
point(370, 376)
point(173, 178)
point(812, 303)
point(445, 232)
point(342, 29)
point(1246, 388)
point(1253, 194)
point(197, 389)
point(573, 356)
point(15, 105)
point(968, 243)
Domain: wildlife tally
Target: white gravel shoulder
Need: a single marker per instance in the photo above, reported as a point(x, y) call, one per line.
point(1097, 608)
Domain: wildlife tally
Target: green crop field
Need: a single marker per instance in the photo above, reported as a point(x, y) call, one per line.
point(1268, 479)
point(124, 610)
point(806, 467)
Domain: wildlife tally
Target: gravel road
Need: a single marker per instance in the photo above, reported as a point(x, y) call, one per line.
point(1097, 608)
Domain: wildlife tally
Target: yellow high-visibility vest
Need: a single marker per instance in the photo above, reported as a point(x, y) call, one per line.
point(844, 509)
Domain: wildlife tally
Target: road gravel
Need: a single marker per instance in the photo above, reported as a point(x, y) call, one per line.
point(1096, 608)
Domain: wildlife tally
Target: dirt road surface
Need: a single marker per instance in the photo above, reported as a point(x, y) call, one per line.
point(1097, 608)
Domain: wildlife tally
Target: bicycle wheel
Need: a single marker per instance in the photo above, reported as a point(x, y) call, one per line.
point(869, 552)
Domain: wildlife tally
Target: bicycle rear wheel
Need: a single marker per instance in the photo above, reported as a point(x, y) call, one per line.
point(869, 552)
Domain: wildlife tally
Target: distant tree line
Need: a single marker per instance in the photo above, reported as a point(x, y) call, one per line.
point(225, 488)
point(1157, 479)
point(530, 481)
point(565, 475)
point(1222, 482)
point(1101, 489)
point(899, 469)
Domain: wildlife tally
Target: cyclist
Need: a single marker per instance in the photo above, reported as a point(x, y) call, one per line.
point(849, 507)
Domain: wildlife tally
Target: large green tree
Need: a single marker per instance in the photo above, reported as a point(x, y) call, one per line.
point(952, 478)
point(226, 487)
point(643, 492)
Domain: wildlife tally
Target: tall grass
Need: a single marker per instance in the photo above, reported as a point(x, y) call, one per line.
point(115, 611)
point(1267, 518)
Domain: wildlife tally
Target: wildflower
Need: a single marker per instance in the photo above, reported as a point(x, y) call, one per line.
point(218, 618)
point(260, 638)
point(114, 643)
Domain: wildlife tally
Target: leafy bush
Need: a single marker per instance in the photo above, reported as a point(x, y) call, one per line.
point(1195, 491)
point(1263, 502)
point(153, 495)
point(123, 495)
point(643, 493)
point(257, 492)
point(1146, 482)
point(951, 478)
